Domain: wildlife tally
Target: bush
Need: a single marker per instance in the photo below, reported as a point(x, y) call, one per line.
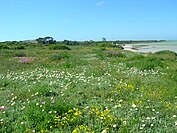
point(138, 57)
point(60, 56)
point(166, 55)
point(4, 47)
point(20, 55)
point(20, 47)
point(105, 44)
point(166, 52)
point(145, 63)
point(113, 54)
point(109, 44)
point(59, 47)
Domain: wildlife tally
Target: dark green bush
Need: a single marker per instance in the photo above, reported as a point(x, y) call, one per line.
point(20, 55)
point(109, 44)
point(60, 56)
point(138, 57)
point(166, 55)
point(105, 44)
point(4, 47)
point(113, 54)
point(145, 63)
point(59, 47)
point(174, 76)
point(19, 47)
point(166, 52)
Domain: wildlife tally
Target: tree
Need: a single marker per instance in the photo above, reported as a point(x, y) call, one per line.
point(104, 39)
point(46, 40)
point(40, 40)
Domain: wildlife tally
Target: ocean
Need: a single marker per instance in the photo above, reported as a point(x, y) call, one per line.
point(158, 46)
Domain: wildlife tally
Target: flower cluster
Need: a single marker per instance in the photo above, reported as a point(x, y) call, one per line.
point(82, 128)
point(71, 117)
point(74, 117)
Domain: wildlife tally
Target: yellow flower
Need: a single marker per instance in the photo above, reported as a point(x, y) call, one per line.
point(77, 113)
point(82, 128)
point(75, 131)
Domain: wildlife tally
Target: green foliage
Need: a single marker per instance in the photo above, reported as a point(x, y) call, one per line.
point(20, 47)
point(46, 40)
point(105, 44)
point(59, 56)
point(110, 44)
point(59, 47)
point(166, 55)
point(114, 54)
point(4, 47)
point(166, 52)
point(145, 63)
point(13, 45)
point(20, 54)
point(72, 43)
point(88, 89)
point(138, 57)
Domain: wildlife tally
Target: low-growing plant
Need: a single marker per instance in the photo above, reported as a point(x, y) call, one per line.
point(4, 47)
point(114, 54)
point(21, 54)
point(166, 55)
point(19, 47)
point(59, 56)
point(79, 118)
point(105, 44)
point(59, 47)
point(146, 63)
point(91, 91)
point(166, 52)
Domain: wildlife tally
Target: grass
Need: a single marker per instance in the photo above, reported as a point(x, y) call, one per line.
point(87, 89)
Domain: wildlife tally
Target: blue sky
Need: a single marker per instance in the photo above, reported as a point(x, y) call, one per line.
point(88, 19)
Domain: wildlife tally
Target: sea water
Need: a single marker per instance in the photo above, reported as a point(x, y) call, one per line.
point(157, 46)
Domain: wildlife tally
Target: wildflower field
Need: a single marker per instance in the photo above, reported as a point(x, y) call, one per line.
point(87, 89)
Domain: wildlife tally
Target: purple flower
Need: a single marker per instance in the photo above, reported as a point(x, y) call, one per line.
point(26, 60)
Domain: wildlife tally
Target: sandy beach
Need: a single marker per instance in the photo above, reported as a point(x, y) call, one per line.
point(130, 48)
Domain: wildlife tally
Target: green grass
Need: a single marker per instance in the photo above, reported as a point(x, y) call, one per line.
point(87, 89)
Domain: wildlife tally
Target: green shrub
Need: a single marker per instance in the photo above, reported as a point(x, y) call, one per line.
point(109, 44)
point(166, 52)
point(38, 117)
point(59, 47)
point(4, 47)
point(100, 52)
point(113, 54)
point(174, 77)
point(43, 90)
point(20, 55)
point(145, 63)
point(138, 57)
point(105, 44)
point(60, 56)
point(166, 55)
point(19, 47)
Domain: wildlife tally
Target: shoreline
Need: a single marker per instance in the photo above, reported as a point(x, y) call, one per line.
point(150, 49)
point(130, 48)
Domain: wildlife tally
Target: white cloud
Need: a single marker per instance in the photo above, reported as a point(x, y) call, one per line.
point(100, 3)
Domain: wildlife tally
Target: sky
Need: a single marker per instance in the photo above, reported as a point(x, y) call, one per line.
point(88, 19)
